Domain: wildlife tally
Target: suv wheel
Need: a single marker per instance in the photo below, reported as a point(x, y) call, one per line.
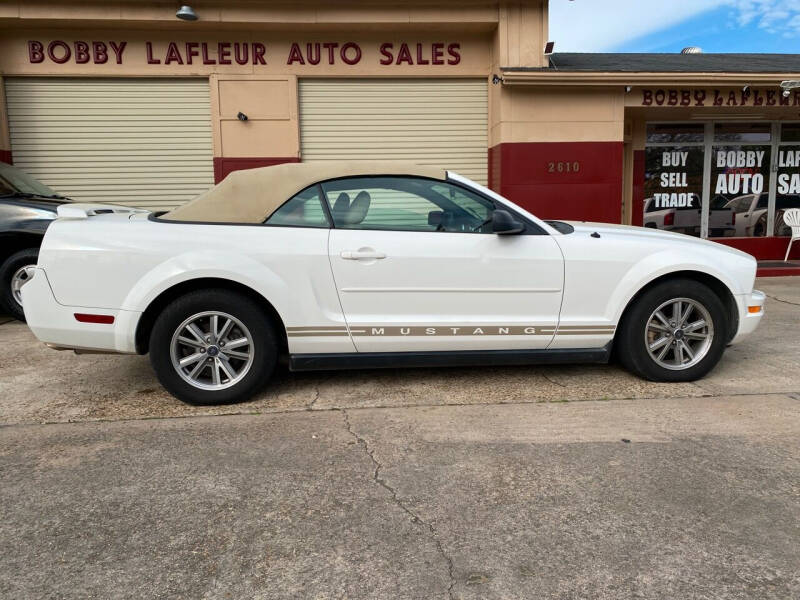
point(676, 331)
point(213, 347)
point(14, 273)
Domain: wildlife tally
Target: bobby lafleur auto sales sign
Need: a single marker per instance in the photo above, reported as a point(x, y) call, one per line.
point(85, 52)
point(717, 98)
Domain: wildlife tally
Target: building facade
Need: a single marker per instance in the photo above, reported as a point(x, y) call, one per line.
point(119, 101)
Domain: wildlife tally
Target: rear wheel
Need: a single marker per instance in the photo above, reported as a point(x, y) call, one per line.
point(213, 347)
point(676, 331)
point(14, 273)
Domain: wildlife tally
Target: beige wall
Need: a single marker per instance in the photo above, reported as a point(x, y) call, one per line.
point(267, 93)
point(217, 14)
point(528, 114)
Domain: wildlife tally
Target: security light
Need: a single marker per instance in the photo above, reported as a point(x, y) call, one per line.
point(787, 85)
point(186, 13)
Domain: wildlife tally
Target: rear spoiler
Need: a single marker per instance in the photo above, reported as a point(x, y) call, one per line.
point(84, 211)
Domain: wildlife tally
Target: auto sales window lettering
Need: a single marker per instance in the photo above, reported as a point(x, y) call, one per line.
point(787, 189)
point(406, 204)
point(303, 210)
point(740, 169)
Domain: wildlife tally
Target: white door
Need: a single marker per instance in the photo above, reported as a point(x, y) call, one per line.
point(132, 141)
point(417, 269)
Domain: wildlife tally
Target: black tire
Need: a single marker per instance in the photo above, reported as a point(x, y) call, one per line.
point(264, 346)
point(12, 264)
point(631, 345)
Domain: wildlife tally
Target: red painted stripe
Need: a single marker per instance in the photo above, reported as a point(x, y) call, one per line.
point(225, 164)
point(87, 318)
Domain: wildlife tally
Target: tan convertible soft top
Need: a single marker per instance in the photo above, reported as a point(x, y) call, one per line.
point(251, 196)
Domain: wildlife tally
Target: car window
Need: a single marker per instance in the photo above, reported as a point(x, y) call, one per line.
point(743, 204)
point(406, 204)
point(12, 179)
point(302, 210)
point(763, 201)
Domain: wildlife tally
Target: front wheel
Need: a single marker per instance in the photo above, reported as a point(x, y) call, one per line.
point(213, 347)
point(675, 331)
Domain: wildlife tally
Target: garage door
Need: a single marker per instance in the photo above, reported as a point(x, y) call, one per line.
point(433, 121)
point(139, 142)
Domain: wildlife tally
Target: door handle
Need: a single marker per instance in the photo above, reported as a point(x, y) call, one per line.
point(361, 255)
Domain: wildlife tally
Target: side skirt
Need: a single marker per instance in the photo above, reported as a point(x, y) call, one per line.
point(468, 358)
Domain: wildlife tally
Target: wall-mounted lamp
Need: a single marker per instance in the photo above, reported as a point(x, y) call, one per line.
point(496, 79)
point(241, 116)
point(788, 85)
point(628, 89)
point(186, 13)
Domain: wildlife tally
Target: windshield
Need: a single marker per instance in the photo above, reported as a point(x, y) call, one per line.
point(13, 180)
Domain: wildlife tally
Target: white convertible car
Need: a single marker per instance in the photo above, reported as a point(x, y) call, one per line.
point(359, 265)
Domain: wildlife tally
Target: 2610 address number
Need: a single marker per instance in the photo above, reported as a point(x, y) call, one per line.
point(564, 167)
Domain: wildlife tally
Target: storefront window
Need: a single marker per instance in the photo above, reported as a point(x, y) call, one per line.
point(787, 192)
point(740, 161)
point(753, 177)
point(674, 178)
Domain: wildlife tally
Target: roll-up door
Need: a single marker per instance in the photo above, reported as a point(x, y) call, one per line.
point(440, 122)
point(137, 142)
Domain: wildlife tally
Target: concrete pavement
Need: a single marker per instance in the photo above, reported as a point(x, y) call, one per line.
point(689, 498)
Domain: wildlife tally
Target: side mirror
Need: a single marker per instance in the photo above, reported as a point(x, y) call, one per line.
point(504, 224)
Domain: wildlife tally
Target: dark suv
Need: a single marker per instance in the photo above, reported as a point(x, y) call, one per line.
point(27, 207)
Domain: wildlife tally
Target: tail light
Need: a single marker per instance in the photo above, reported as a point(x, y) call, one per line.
point(669, 218)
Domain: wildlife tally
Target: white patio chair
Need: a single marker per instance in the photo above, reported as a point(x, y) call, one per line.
point(792, 218)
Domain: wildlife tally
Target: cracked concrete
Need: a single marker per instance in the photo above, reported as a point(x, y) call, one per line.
point(393, 493)
point(782, 300)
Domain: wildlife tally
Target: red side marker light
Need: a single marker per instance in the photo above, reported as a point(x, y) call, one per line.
point(87, 318)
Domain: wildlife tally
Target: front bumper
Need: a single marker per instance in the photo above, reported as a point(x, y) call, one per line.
point(748, 317)
point(55, 324)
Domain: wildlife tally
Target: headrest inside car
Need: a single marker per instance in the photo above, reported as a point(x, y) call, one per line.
point(341, 206)
point(358, 209)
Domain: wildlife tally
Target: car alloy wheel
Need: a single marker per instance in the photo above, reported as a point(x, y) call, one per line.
point(212, 350)
point(679, 334)
point(18, 279)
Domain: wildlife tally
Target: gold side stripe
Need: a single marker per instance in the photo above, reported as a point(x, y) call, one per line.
point(319, 328)
point(317, 333)
point(449, 330)
point(563, 327)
